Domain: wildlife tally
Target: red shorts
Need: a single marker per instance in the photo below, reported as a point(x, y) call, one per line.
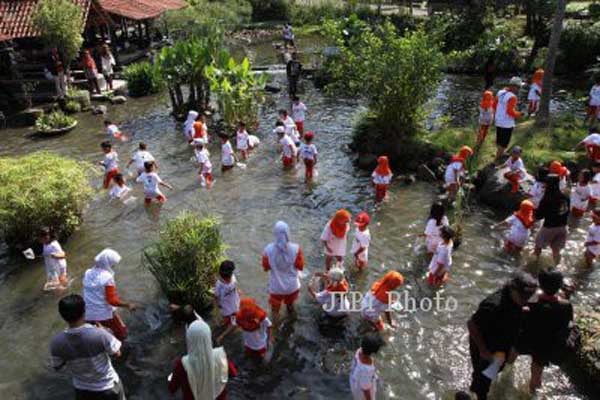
point(109, 176)
point(310, 165)
point(287, 161)
point(593, 110)
point(288, 299)
point(380, 192)
point(116, 325)
point(255, 353)
point(227, 320)
point(300, 127)
point(510, 247)
point(160, 198)
point(437, 280)
point(577, 212)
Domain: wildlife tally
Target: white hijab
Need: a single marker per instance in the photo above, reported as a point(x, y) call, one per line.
point(282, 255)
point(206, 368)
point(189, 122)
point(107, 259)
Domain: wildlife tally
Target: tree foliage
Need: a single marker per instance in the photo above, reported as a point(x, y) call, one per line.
point(61, 24)
point(143, 79)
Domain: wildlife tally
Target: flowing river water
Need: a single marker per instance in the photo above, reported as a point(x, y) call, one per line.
point(426, 356)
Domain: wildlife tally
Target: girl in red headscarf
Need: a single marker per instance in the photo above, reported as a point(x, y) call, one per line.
point(377, 300)
point(486, 115)
point(255, 326)
point(535, 91)
point(382, 177)
point(520, 224)
point(455, 171)
point(556, 168)
point(335, 236)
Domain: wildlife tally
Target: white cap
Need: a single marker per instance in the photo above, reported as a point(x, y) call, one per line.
point(515, 81)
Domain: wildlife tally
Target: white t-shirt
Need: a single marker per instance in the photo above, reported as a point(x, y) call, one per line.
point(111, 161)
point(336, 244)
point(595, 183)
point(536, 193)
point(442, 255)
point(595, 96)
point(361, 239)
point(362, 377)
point(54, 266)
point(371, 308)
point(227, 154)
point(340, 305)
point(202, 157)
point(518, 233)
point(112, 130)
point(593, 235)
point(242, 139)
point(228, 297)
point(433, 233)
point(486, 116)
point(308, 151)
point(256, 340)
point(253, 141)
point(95, 282)
point(381, 179)
point(534, 92)
point(290, 129)
point(118, 192)
point(517, 166)
point(580, 196)
point(151, 180)
point(140, 157)
point(454, 170)
point(288, 148)
point(298, 112)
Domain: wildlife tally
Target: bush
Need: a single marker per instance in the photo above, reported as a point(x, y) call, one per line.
point(41, 190)
point(579, 46)
point(52, 121)
point(80, 96)
point(143, 79)
point(72, 107)
point(186, 258)
point(594, 11)
point(270, 10)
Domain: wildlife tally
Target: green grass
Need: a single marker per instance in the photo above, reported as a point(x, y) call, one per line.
point(578, 6)
point(539, 145)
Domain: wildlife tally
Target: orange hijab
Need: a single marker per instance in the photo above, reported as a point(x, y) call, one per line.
point(488, 100)
point(250, 315)
point(557, 168)
point(538, 76)
point(525, 213)
point(339, 223)
point(340, 287)
point(198, 129)
point(464, 153)
point(383, 166)
point(389, 282)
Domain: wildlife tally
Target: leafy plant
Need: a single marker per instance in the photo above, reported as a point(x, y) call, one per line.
point(41, 189)
point(579, 46)
point(143, 79)
point(186, 258)
point(72, 107)
point(52, 121)
point(61, 23)
point(270, 10)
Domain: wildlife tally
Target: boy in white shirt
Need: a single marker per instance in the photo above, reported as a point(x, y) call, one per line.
point(288, 149)
point(516, 169)
point(592, 242)
point(227, 154)
point(151, 182)
point(110, 163)
point(120, 189)
point(203, 160)
point(362, 239)
point(594, 104)
point(140, 157)
point(242, 140)
point(308, 153)
point(439, 267)
point(113, 130)
point(299, 114)
point(227, 295)
point(581, 194)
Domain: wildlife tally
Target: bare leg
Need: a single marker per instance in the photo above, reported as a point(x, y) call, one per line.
point(589, 259)
point(536, 376)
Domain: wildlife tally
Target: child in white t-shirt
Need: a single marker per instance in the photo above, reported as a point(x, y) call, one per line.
point(362, 239)
point(54, 261)
point(441, 262)
point(592, 241)
point(203, 161)
point(119, 190)
point(581, 194)
point(227, 295)
point(516, 169)
point(437, 220)
point(520, 224)
point(288, 149)
point(308, 154)
point(298, 114)
point(363, 374)
point(242, 140)
point(290, 126)
point(594, 104)
point(140, 157)
point(110, 163)
point(151, 182)
point(113, 131)
point(227, 154)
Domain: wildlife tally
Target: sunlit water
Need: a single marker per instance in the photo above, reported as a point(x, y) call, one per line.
point(426, 356)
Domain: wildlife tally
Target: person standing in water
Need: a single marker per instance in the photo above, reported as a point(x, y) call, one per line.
point(293, 70)
point(363, 374)
point(335, 236)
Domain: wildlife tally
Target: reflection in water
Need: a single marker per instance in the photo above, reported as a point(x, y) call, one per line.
point(426, 356)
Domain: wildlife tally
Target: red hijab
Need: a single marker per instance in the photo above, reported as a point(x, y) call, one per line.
point(339, 223)
point(525, 213)
point(250, 315)
point(488, 100)
point(383, 166)
point(464, 153)
point(389, 282)
point(538, 76)
point(557, 168)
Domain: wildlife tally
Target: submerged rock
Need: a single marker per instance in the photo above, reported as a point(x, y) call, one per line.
point(118, 100)
point(272, 88)
point(494, 191)
point(99, 110)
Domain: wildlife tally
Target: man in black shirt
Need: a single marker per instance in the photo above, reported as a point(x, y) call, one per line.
point(495, 326)
point(293, 71)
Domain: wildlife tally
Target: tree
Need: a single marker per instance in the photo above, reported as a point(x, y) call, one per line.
point(543, 117)
point(60, 23)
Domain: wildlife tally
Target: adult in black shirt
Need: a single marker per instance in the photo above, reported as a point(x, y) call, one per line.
point(495, 326)
point(293, 71)
point(554, 210)
point(546, 327)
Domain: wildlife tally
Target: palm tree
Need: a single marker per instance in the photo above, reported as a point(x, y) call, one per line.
point(543, 116)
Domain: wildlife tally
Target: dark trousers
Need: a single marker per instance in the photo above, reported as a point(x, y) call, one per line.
point(480, 384)
point(116, 393)
point(292, 85)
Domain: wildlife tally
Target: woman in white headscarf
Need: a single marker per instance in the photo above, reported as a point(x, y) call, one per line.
point(100, 294)
point(188, 125)
point(284, 261)
point(203, 372)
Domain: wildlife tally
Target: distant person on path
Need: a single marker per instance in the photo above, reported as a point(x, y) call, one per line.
point(594, 102)
point(494, 328)
point(506, 114)
point(535, 92)
point(91, 71)
point(489, 73)
point(108, 63)
point(56, 67)
point(85, 351)
point(486, 116)
point(100, 294)
point(334, 238)
point(288, 36)
point(363, 374)
point(293, 71)
point(554, 210)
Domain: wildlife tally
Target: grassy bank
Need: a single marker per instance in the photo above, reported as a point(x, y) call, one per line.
point(539, 145)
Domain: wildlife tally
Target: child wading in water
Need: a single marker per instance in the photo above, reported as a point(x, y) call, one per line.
point(592, 241)
point(335, 236)
point(516, 169)
point(333, 298)
point(382, 177)
point(255, 326)
point(308, 153)
point(298, 114)
point(581, 194)
point(110, 163)
point(377, 300)
point(151, 182)
point(140, 157)
point(363, 374)
point(537, 190)
point(486, 116)
point(55, 261)
point(120, 189)
point(288, 149)
point(203, 161)
point(242, 140)
point(227, 295)
point(520, 224)
point(433, 230)
point(439, 267)
point(362, 239)
point(227, 154)
point(455, 171)
point(113, 131)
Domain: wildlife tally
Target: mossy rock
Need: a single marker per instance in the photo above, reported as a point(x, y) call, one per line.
point(82, 97)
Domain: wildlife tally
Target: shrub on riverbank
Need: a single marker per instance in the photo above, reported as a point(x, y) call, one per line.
point(186, 258)
point(142, 79)
point(41, 189)
point(579, 46)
